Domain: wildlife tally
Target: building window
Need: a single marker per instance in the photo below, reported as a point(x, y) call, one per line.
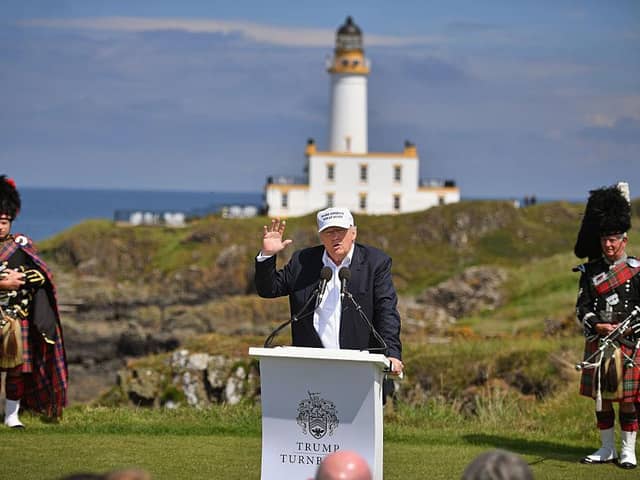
point(364, 172)
point(396, 203)
point(441, 200)
point(363, 201)
point(397, 173)
point(331, 172)
point(329, 200)
point(285, 200)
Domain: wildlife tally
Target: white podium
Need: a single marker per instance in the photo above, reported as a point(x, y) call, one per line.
point(316, 401)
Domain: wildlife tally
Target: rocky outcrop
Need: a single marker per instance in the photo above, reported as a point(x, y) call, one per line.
point(102, 337)
point(434, 310)
point(474, 290)
point(128, 292)
point(192, 379)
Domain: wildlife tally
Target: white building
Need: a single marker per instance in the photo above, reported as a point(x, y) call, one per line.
point(348, 174)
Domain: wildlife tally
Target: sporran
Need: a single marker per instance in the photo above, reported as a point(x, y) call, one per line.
point(10, 341)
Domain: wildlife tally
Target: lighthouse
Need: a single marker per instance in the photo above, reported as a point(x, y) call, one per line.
point(349, 69)
point(346, 173)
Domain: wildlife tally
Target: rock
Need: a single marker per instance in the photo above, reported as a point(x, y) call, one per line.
point(142, 386)
point(198, 361)
point(197, 379)
point(420, 317)
point(476, 289)
point(179, 359)
point(217, 371)
point(235, 389)
point(194, 390)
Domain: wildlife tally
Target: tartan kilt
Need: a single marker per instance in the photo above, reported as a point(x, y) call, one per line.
point(630, 381)
point(45, 388)
point(27, 359)
point(44, 370)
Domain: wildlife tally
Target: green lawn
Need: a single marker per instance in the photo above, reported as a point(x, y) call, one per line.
point(224, 442)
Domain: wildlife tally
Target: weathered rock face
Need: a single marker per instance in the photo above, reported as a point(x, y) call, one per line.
point(190, 379)
point(131, 292)
point(199, 379)
point(133, 298)
point(100, 341)
point(107, 322)
point(474, 290)
point(102, 336)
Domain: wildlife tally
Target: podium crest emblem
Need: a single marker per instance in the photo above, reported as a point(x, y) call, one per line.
point(317, 416)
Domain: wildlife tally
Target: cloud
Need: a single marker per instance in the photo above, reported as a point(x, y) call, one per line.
point(257, 32)
point(418, 66)
point(222, 105)
point(624, 131)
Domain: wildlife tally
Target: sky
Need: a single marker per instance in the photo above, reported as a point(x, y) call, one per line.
point(506, 98)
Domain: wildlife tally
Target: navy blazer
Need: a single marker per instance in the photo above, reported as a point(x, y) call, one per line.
point(370, 284)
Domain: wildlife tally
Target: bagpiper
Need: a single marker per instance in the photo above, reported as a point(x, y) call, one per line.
point(608, 308)
point(32, 348)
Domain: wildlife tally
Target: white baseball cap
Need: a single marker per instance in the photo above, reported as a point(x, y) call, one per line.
point(334, 217)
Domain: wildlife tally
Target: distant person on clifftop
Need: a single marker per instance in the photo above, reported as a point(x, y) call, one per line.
point(31, 348)
point(316, 278)
point(609, 293)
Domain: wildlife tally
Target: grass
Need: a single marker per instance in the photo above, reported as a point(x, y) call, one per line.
point(541, 289)
point(432, 437)
point(224, 442)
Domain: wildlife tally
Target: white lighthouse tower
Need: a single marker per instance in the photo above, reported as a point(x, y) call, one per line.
point(349, 69)
point(346, 173)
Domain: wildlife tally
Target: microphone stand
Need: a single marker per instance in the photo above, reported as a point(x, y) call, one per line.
point(293, 319)
point(363, 315)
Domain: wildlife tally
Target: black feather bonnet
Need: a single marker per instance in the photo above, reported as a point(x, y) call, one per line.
point(608, 212)
point(9, 198)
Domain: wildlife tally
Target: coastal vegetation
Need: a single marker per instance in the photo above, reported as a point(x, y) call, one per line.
point(490, 342)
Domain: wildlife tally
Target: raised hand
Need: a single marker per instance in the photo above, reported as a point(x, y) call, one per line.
point(272, 242)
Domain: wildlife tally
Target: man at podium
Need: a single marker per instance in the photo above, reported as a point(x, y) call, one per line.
point(341, 294)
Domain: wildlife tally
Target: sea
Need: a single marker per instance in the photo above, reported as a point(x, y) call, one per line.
point(48, 211)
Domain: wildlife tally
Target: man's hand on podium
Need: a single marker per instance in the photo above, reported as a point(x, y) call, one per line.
point(396, 367)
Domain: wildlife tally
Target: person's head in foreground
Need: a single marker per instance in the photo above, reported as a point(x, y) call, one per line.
point(343, 465)
point(498, 465)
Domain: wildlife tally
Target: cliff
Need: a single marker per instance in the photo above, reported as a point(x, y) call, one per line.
point(128, 292)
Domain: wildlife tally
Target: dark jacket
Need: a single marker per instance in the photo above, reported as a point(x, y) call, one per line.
point(370, 284)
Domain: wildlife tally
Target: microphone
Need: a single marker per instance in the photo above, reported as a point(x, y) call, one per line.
point(325, 275)
point(344, 274)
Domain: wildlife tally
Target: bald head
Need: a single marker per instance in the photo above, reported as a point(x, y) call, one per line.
point(343, 465)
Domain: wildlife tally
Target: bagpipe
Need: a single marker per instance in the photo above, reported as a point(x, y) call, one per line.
point(614, 339)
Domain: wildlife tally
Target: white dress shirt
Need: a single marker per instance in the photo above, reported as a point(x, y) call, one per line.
point(326, 318)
